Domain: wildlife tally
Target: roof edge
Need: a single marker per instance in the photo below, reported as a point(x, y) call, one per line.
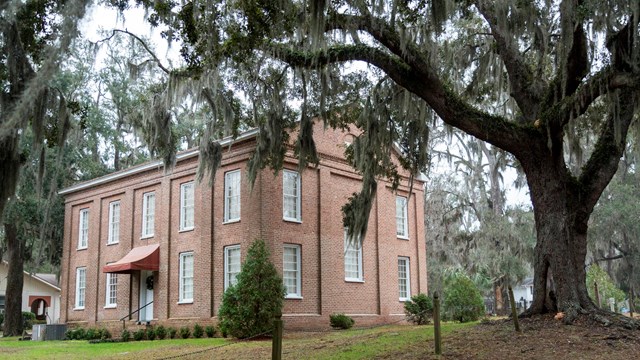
point(154, 164)
point(34, 276)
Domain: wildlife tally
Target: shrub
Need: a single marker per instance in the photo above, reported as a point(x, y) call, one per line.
point(249, 307)
point(151, 334)
point(341, 321)
point(138, 334)
point(69, 334)
point(198, 331)
point(172, 332)
point(419, 309)
point(92, 334)
point(79, 334)
point(105, 334)
point(210, 330)
point(606, 287)
point(126, 335)
point(161, 332)
point(185, 332)
point(27, 319)
point(462, 299)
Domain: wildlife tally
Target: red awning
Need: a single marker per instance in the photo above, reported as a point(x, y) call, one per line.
point(140, 258)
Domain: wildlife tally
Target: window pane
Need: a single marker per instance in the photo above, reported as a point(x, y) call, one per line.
point(352, 259)
point(232, 196)
point(148, 219)
point(403, 278)
point(114, 222)
point(186, 208)
point(291, 269)
point(186, 277)
point(401, 217)
point(291, 195)
point(232, 267)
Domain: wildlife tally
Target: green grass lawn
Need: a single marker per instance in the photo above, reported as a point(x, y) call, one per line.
point(347, 344)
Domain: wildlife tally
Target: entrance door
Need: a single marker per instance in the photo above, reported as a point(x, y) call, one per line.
point(146, 295)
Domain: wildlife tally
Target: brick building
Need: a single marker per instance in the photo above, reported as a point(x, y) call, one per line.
point(141, 236)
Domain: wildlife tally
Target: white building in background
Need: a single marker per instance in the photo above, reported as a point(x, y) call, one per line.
point(40, 294)
point(523, 293)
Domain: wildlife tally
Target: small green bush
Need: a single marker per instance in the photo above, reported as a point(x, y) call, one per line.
point(419, 309)
point(210, 330)
point(249, 307)
point(161, 332)
point(172, 332)
point(92, 334)
point(341, 321)
point(139, 334)
point(105, 334)
point(198, 331)
point(151, 334)
point(125, 336)
point(27, 319)
point(462, 299)
point(185, 332)
point(79, 334)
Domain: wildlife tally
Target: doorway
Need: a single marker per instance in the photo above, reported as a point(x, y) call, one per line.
point(146, 295)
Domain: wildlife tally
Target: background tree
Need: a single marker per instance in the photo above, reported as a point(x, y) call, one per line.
point(540, 58)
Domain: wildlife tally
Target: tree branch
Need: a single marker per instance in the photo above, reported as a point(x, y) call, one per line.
point(421, 78)
point(526, 88)
point(144, 44)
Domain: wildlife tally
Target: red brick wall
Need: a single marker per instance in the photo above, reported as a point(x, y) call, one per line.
point(320, 234)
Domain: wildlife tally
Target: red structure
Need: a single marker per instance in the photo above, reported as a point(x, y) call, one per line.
point(140, 238)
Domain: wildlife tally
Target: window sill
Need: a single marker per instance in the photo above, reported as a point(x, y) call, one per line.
point(292, 220)
point(230, 221)
point(293, 297)
point(186, 229)
point(145, 237)
point(183, 302)
point(403, 299)
point(111, 306)
point(82, 248)
point(113, 243)
point(354, 280)
point(78, 308)
point(403, 237)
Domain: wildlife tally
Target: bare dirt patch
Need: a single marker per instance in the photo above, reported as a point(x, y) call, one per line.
point(542, 337)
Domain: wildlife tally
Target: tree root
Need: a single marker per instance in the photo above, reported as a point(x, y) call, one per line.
point(596, 315)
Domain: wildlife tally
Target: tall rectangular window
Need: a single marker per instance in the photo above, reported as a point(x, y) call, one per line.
point(232, 196)
point(186, 206)
point(81, 284)
point(231, 265)
point(148, 214)
point(112, 290)
point(352, 259)
point(404, 278)
point(291, 195)
point(114, 223)
point(186, 277)
point(402, 223)
point(291, 273)
point(83, 226)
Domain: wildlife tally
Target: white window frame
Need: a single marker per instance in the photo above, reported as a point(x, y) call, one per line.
point(148, 220)
point(407, 279)
point(114, 223)
point(236, 177)
point(83, 229)
point(187, 206)
point(402, 217)
point(298, 271)
point(349, 249)
point(111, 292)
point(227, 273)
point(184, 277)
point(296, 196)
point(81, 287)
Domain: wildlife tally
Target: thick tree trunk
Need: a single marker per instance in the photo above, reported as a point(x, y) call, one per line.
point(13, 300)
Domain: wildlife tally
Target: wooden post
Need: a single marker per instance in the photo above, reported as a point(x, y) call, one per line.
point(595, 291)
point(514, 312)
point(276, 347)
point(436, 323)
point(631, 307)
